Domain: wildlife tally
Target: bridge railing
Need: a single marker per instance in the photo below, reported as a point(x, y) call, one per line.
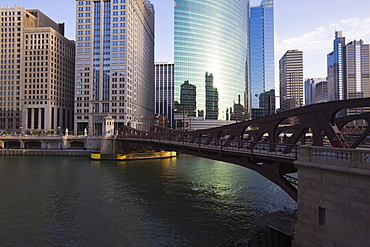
point(359, 157)
point(265, 148)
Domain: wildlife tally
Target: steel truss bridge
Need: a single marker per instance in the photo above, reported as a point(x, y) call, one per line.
point(268, 145)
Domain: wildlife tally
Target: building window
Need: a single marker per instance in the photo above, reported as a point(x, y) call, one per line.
point(322, 216)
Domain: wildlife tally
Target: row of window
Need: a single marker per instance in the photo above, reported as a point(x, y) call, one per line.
point(89, 2)
point(10, 13)
point(10, 40)
point(10, 19)
point(10, 29)
point(11, 24)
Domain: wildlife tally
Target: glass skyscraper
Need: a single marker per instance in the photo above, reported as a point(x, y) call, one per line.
point(262, 49)
point(335, 63)
point(211, 38)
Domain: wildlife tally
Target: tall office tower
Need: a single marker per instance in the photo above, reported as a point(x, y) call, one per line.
point(212, 37)
point(36, 72)
point(357, 70)
point(164, 76)
point(310, 85)
point(262, 49)
point(114, 63)
point(348, 72)
point(291, 80)
point(335, 68)
point(357, 75)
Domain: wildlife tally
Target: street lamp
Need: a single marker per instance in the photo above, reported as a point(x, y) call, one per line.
point(58, 130)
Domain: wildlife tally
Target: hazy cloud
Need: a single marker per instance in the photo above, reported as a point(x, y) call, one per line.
point(321, 39)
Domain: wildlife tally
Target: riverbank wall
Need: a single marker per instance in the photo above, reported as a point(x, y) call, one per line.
point(273, 230)
point(35, 152)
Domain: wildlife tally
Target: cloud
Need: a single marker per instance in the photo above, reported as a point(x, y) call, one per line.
point(321, 39)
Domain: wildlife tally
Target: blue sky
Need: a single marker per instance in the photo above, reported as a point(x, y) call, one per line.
point(307, 25)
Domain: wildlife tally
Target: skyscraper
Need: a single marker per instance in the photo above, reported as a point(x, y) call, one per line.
point(36, 72)
point(357, 70)
point(291, 80)
point(115, 63)
point(262, 49)
point(212, 37)
point(336, 63)
point(349, 72)
point(164, 76)
point(357, 75)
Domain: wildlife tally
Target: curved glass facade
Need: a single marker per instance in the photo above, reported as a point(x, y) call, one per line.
point(211, 44)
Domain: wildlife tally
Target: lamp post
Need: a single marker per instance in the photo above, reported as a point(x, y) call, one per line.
point(59, 130)
point(148, 124)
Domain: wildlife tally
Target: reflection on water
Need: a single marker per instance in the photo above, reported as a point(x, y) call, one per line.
point(183, 201)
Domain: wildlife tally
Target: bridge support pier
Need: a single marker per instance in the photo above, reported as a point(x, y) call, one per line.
point(333, 197)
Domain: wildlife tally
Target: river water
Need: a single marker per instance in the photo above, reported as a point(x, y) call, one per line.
point(182, 201)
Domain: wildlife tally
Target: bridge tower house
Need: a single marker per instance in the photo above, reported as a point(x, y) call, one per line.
point(107, 141)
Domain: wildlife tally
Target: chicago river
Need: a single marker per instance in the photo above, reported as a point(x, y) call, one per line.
point(182, 201)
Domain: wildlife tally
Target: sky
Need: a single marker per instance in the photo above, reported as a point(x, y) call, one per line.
point(307, 25)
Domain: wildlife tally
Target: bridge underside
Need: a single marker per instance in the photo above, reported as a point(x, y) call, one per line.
point(316, 125)
point(273, 168)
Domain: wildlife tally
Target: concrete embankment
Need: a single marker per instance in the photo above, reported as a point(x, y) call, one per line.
point(40, 152)
point(274, 230)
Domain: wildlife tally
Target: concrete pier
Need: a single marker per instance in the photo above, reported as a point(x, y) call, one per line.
point(333, 197)
point(34, 152)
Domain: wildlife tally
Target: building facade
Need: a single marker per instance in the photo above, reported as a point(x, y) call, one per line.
point(357, 76)
point(36, 73)
point(164, 80)
point(349, 72)
point(314, 88)
point(114, 63)
point(357, 70)
point(267, 102)
point(262, 63)
point(212, 38)
point(335, 65)
point(291, 80)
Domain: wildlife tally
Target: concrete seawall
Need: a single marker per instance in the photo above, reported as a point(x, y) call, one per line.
point(39, 152)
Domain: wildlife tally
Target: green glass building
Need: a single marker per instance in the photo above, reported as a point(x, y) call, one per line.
point(211, 38)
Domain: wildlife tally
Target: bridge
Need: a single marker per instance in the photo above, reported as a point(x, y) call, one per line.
point(268, 145)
